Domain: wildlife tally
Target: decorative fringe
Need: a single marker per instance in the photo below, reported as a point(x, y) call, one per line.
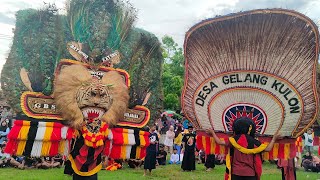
point(108, 144)
point(209, 146)
point(299, 144)
point(51, 138)
point(95, 140)
point(124, 141)
point(283, 149)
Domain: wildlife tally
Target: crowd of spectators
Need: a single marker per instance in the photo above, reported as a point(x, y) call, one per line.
point(172, 130)
point(310, 161)
point(23, 162)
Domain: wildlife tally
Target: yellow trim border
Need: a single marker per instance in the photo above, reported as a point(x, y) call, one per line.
point(257, 150)
point(89, 173)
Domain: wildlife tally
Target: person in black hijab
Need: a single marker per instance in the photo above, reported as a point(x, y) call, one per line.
point(189, 147)
point(151, 156)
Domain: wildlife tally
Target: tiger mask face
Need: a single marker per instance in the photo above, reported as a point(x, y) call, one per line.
point(82, 98)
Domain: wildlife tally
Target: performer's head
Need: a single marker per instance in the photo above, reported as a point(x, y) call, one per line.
point(171, 128)
point(153, 128)
point(190, 129)
point(244, 125)
point(309, 131)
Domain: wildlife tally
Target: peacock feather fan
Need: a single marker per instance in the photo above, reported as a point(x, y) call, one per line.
point(37, 47)
point(101, 25)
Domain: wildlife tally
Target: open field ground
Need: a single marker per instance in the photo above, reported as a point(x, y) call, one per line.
point(270, 172)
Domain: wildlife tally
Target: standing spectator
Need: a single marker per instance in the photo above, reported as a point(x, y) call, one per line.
point(168, 142)
point(150, 159)
point(189, 146)
point(174, 158)
point(308, 140)
point(162, 156)
point(4, 131)
point(185, 124)
point(164, 124)
point(159, 124)
point(178, 140)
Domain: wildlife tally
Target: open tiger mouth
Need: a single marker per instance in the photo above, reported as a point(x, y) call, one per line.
point(91, 113)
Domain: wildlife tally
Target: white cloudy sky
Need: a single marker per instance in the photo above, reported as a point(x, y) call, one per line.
point(161, 17)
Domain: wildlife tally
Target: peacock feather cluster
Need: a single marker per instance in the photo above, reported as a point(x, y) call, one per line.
point(101, 27)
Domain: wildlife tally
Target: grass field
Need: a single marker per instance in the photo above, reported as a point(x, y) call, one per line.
point(270, 172)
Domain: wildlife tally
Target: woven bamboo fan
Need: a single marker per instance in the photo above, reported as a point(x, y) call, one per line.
point(260, 64)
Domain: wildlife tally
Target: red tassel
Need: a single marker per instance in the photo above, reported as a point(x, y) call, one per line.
point(70, 133)
point(117, 136)
point(107, 147)
point(14, 132)
point(143, 152)
point(208, 145)
point(11, 147)
point(55, 138)
point(281, 151)
point(199, 142)
point(271, 155)
point(12, 144)
point(146, 138)
point(217, 150)
point(117, 142)
point(293, 150)
point(115, 151)
point(226, 149)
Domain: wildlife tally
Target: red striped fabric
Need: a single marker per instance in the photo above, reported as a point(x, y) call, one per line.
point(12, 144)
point(55, 139)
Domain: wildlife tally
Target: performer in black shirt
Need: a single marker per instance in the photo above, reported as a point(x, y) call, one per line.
point(150, 160)
point(189, 146)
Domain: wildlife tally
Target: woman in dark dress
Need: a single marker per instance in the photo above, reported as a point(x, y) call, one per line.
point(151, 156)
point(189, 146)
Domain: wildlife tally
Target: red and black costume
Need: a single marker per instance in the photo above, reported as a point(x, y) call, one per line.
point(244, 158)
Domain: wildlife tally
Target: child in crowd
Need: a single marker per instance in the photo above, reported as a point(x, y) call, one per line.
point(308, 140)
point(174, 158)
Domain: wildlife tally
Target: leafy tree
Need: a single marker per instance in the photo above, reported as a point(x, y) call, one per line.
point(173, 73)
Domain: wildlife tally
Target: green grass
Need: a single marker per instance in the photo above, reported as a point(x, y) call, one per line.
point(163, 172)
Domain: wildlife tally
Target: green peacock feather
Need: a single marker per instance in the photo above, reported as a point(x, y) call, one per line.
point(41, 36)
point(101, 24)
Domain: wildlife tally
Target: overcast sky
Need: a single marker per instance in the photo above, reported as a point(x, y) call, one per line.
point(161, 17)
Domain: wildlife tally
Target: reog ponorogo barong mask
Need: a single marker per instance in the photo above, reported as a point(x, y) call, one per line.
point(258, 64)
point(63, 79)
